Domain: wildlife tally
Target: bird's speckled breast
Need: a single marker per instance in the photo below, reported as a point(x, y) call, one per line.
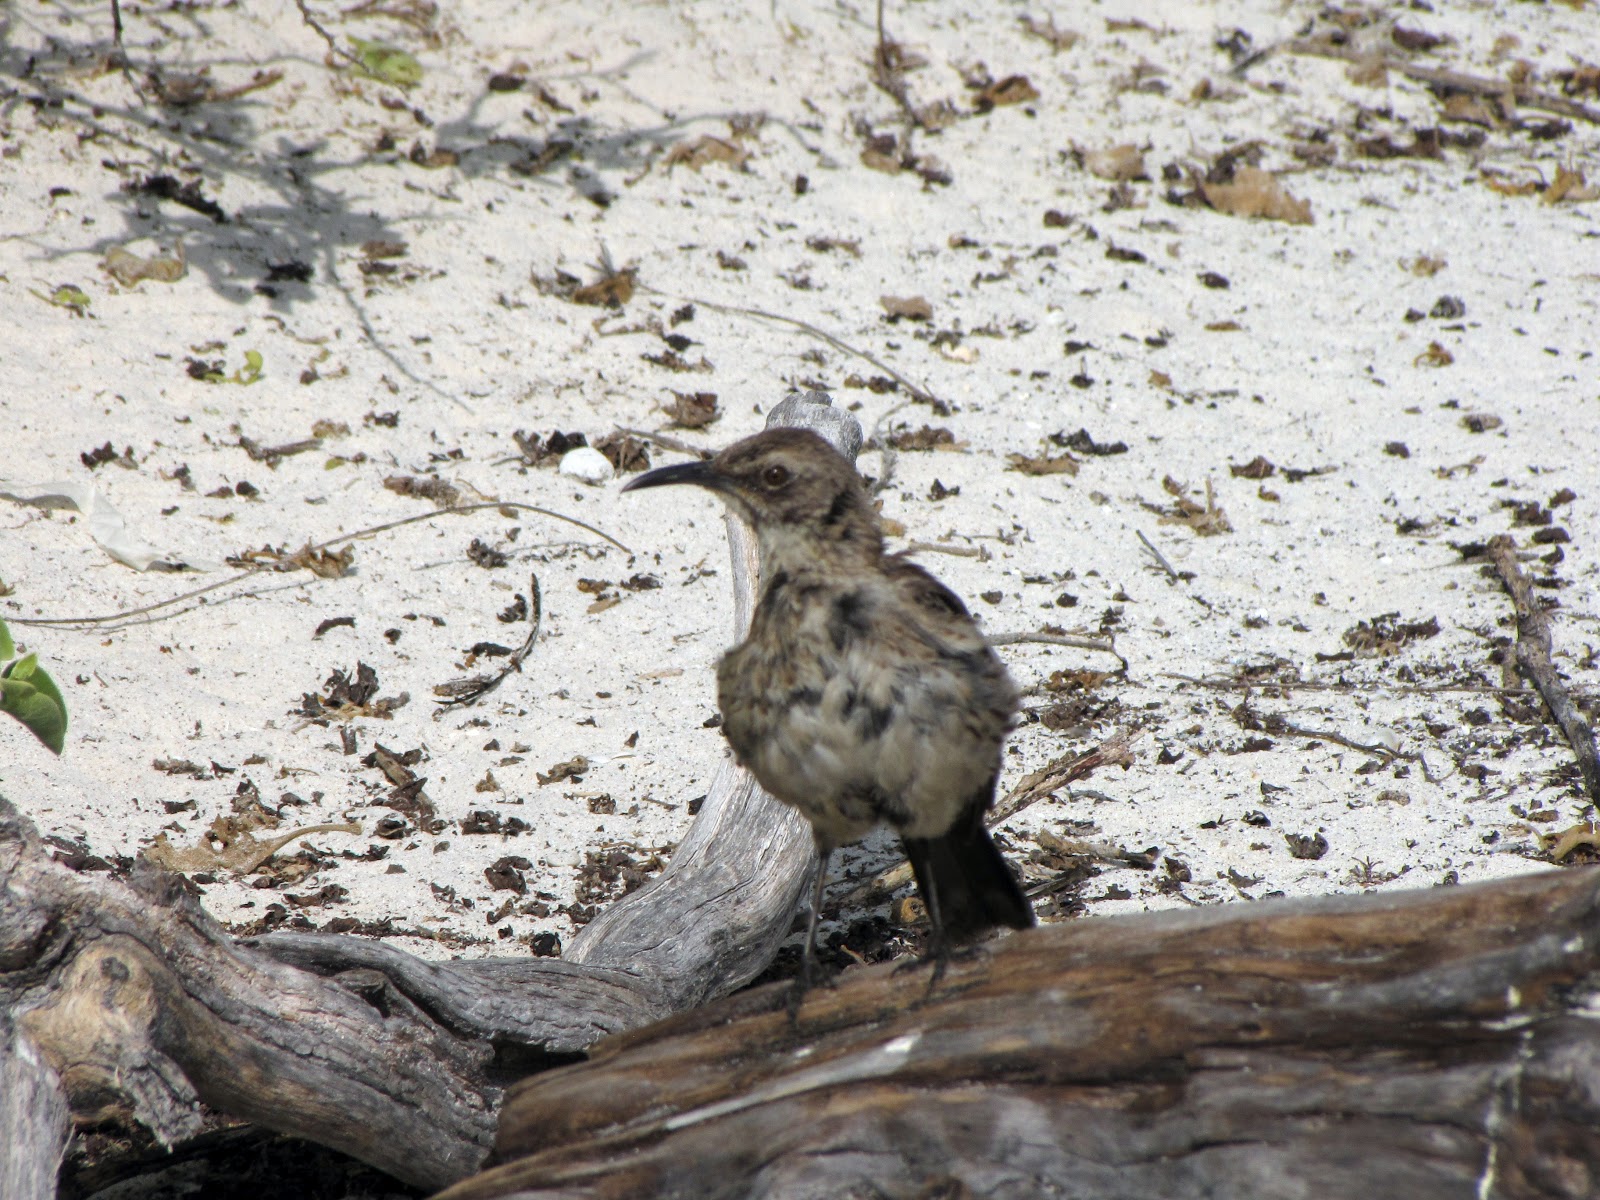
point(850, 702)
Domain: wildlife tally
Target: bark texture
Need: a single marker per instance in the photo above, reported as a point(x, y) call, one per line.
point(1431, 1044)
point(33, 1118)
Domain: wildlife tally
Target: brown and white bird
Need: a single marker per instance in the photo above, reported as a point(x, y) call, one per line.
point(864, 694)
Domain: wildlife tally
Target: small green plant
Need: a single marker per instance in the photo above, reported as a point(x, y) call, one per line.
point(68, 296)
point(245, 375)
point(29, 694)
point(388, 64)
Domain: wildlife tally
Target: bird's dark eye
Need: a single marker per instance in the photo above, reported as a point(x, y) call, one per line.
point(775, 476)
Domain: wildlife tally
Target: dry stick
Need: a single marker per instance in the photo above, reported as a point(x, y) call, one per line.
point(370, 531)
point(1103, 645)
point(470, 691)
point(1455, 81)
point(1115, 751)
point(977, 552)
point(888, 455)
point(1280, 727)
point(1159, 557)
point(667, 442)
point(1052, 777)
point(1533, 658)
point(1313, 685)
point(917, 393)
point(321, 31)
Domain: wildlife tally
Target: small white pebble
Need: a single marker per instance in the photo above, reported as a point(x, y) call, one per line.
point(588, 464)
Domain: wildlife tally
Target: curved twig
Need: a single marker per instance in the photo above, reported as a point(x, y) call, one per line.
point(370, 531)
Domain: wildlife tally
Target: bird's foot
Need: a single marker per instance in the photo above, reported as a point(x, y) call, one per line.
point(817, 976)
point(940, 956)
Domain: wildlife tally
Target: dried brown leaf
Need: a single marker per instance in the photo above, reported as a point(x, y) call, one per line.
point(1013, 89)
point(613, 291)
point(1117, 163)
point(693, 410)
point(703, 150)
point(1256, 193)
point(1570, 186)
point(909, 308)
point(1060, 464)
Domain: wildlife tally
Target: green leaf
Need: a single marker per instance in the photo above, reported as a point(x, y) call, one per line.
point(29, 694)
point(251, 371)
point(69, 297)
point(390, 64)
point(7, 646)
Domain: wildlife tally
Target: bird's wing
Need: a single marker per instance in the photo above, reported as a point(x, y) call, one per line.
point(941, 618)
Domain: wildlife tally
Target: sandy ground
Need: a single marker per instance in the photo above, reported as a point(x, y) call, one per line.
point(1410, 373)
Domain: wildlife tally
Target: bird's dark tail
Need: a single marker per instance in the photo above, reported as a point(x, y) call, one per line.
point(965, 881)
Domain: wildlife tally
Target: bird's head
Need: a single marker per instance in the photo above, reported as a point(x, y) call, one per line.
point(788, 480)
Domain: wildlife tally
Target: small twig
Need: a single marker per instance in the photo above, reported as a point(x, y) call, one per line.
point(667, 442)
point(1279, 726)
point(1077, 641)
point(1533, 659)
point(271, 454)
point(1314, 685)
point(470, 691)
point(514, 506)
point(1378, 749)
point(1455, 81)
point(888, 455)
point(321, 30)
point(1159, 557)
point(1239, 68)
point(981, 553)
point(917, 393)
point(1115, 751)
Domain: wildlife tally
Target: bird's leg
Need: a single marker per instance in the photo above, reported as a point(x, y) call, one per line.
point(938, 944)
point(808, 958)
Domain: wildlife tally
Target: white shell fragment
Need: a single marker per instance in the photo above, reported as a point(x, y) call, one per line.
point(588, 464)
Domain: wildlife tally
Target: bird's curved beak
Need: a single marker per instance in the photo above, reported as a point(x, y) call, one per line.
point(691, 472)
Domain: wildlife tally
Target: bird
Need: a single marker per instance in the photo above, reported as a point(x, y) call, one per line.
point(864, 694)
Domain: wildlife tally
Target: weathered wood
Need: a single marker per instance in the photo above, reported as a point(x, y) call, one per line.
point(1440, 1043)
point(144, 1009)
point(1533, 660)
point(33, 1119)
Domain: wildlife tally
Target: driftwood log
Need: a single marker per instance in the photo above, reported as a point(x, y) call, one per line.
point(1419, 1044)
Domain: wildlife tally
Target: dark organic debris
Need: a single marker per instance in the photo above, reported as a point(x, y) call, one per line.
point(693, 410)
point(1306, 846)
point(167, 187)
point(429, 487)
point(926, 438)
point(615, 870)
point(1388, 634)
point(536, 452)
point(1083, 443)
point(506, 874)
